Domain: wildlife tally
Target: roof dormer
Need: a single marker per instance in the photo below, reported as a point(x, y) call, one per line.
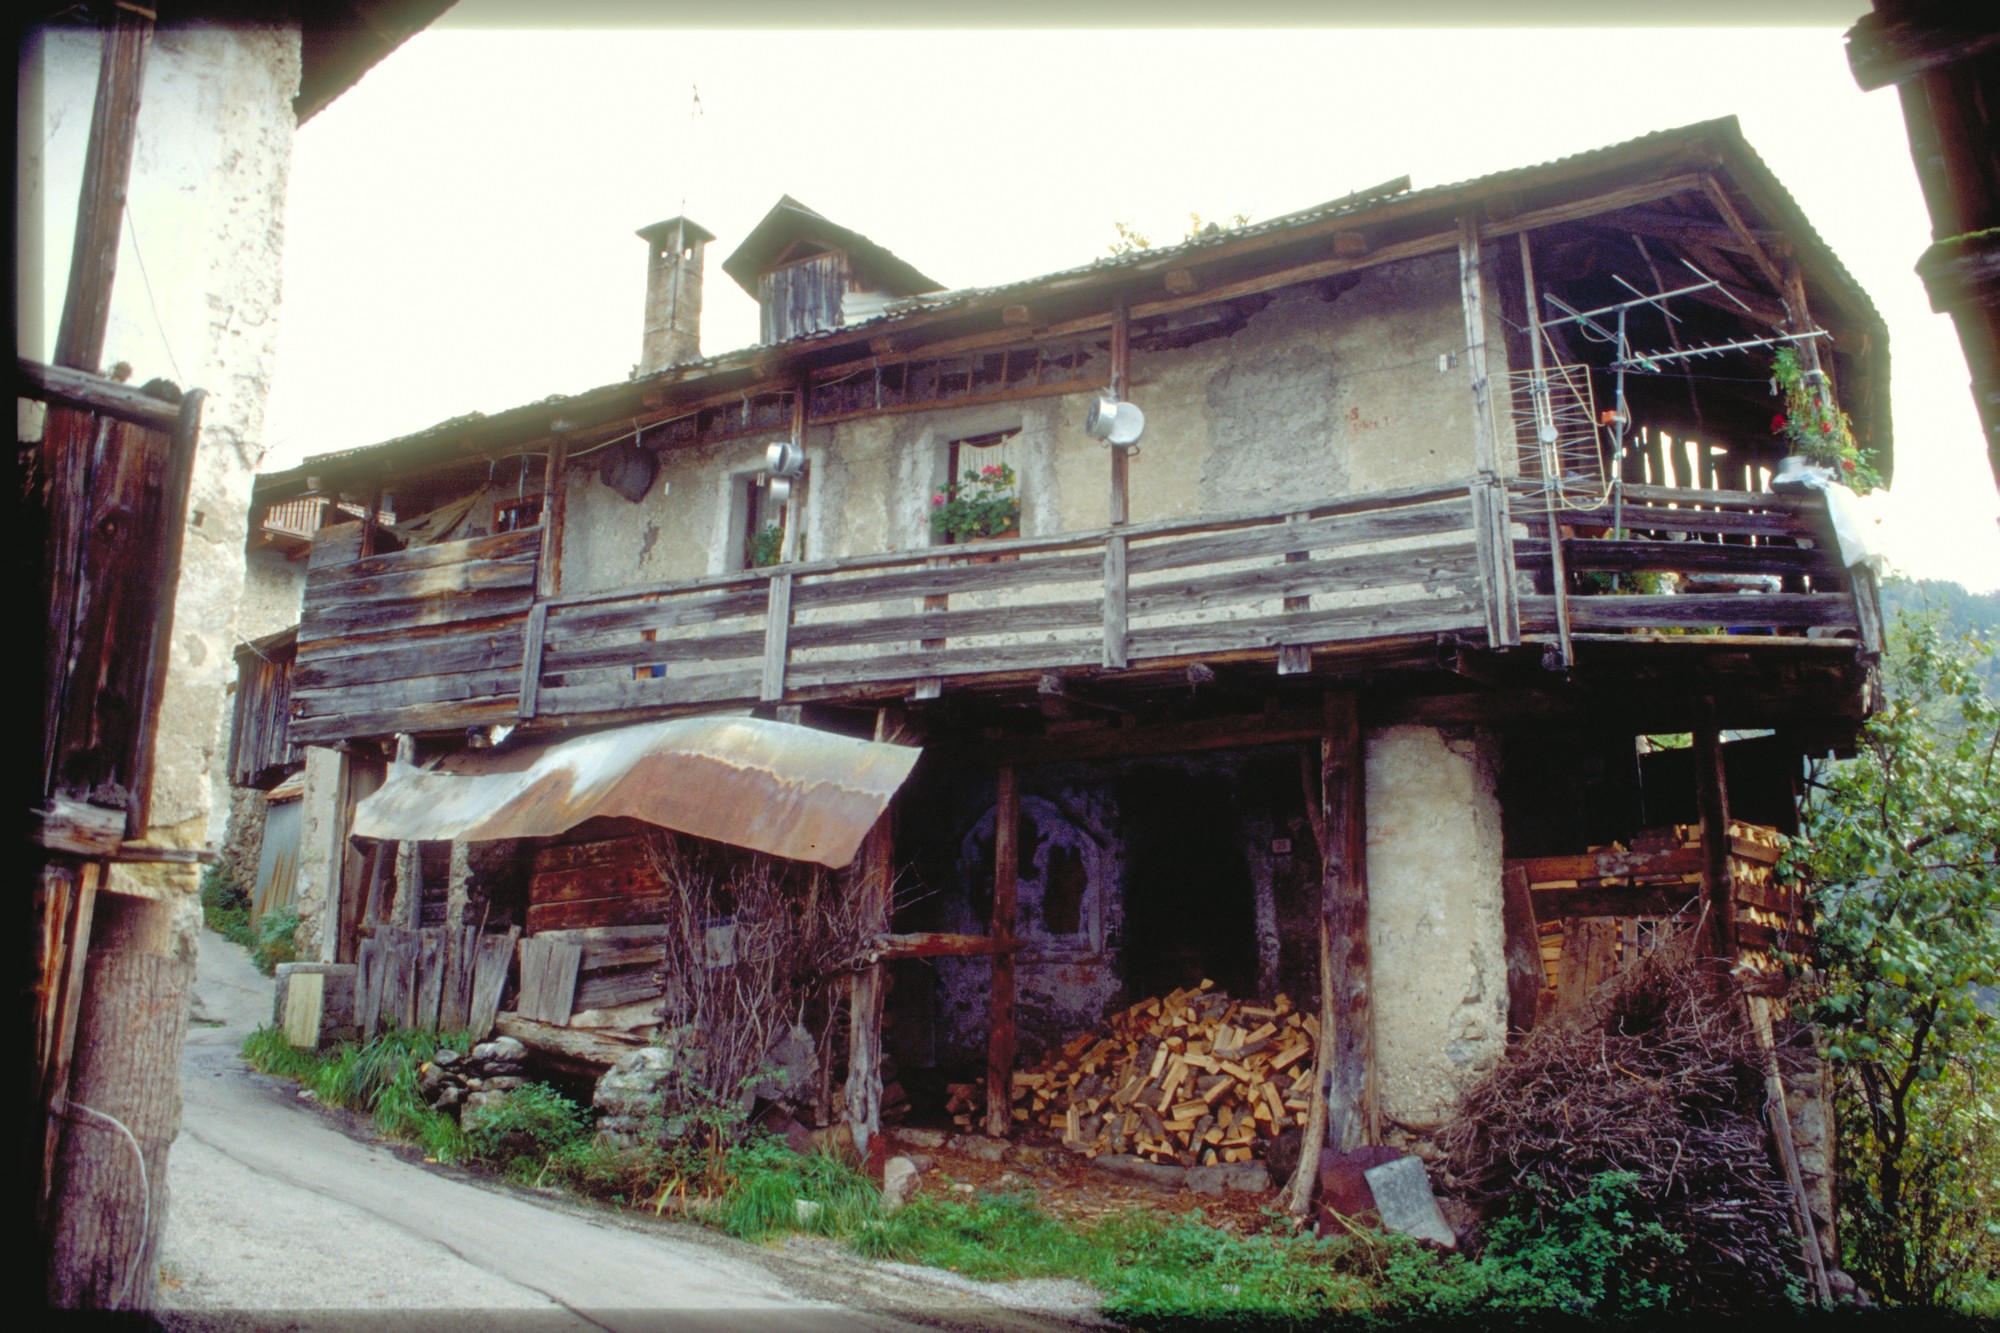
point(810, 274)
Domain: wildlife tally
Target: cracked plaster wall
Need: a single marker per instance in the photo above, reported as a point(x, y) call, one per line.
point(1319, 394)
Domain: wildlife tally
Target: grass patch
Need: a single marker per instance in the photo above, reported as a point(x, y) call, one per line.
point(1157, 1269)
point(225, 909)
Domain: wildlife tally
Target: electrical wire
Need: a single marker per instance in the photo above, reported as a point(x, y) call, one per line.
point(145, 1198)
point(132, 225)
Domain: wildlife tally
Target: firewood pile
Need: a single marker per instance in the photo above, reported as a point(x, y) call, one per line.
point(1657, 1077)
point(1193, 1078)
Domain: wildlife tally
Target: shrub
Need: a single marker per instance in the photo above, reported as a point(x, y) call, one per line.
point(276, 943)
point(532, 1121)
point(225, 906)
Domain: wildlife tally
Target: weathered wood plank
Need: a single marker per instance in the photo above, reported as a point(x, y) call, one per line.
point(777, 629)
point(605, 696)
point(396, 617)
point(416, 717)
point(410, 691)
point(1416, 616)
point(1151, 554)
point(1032, 617)
point(323, 595)
point(1637, 900)
point(1117, 585)
point(622, 911)
point(946, 662)
point(1657, 518)
point(1677, 557)
point(498, 546)
point(1609, 865)
point(812, 593)
point(1524, 951)
point(431, 954)
point(494, 959)
point(1454, 564)
point(558, 659)
point(608, 989)
point(361, 660)
point(657, 610)
point(1640, 611)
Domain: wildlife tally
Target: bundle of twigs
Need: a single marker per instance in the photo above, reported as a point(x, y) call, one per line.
point(1658, 1078)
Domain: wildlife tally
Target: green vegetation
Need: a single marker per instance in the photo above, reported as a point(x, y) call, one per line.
point(1159, 1268)
point(225, 909)
point(1902, 845)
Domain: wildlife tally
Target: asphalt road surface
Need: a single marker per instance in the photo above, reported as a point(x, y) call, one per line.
point(283, 1216)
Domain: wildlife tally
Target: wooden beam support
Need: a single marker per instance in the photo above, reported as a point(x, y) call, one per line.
point(1712, 800)
point(1121, 372)
point(1746, 239)
point(1472, 297)
point(1558, 575)
point(875, 884)
point(555, 509)
point(1116, 585)
point(62, 386)
point(1000, 1039)
point(107, 179)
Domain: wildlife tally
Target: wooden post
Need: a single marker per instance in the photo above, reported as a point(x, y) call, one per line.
point(555, 508)
point(1778, 1115)
point(864, 1035)
point(1343, 1108)
point(788, 545)
point(1115, 587)
point(1471, 293)
point(1712, 799)
point(107, 176)
point(1000, 1042)
point(1525, 976)
point(1121, 358)
point(1558, 573)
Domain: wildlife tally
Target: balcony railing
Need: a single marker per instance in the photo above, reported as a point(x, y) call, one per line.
point(452, 635)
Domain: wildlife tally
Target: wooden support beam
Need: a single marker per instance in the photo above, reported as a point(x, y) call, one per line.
point(875, 884)
point(1524, 950)
point(1779, 1117)
point(1745, 238)
point(107, 178)
point(1121, 371)
point(1000, 1040)
point(1558, 575)
point(1116, 585)
point(555, 509)
point(777, 633)
point(1472, 298)
point(62, 386)
point(1343, 1110)
point(1180, 281)
point(1712, 800)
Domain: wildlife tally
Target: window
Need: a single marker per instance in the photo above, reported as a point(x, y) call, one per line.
point(988, 505)
point(762, 531)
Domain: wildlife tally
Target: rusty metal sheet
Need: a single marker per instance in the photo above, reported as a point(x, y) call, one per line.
point(772, 787)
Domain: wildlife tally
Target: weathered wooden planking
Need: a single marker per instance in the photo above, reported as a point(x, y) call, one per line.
point(394, 617)
point(1679, 557)
point(498, 546)
point(604, 696)
point(364, 658)
point(1423, 615)
point(323, 596)
point(589, 854)
point(1033, 617)
point(1655, 518)
point(548, 979)
point(416, 689)
point(1302, 579)
point(655, 611)
point(371, 959)
point(1179, 552)
point(1641, 611)
point(604, 990)
point(415, 717)
point(455, 993)
point(824, 590)
point(399, 976)
point(1609, 865)
point(563, 655)
point(948, 662)
point(598, 912)
point(493, 961)
point(431, 955)
point(569, 886)
point(599, 957)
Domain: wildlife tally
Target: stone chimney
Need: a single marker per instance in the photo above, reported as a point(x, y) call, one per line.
point(673, 293)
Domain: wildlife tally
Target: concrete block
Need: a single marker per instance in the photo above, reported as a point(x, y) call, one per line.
point(1403, 1197)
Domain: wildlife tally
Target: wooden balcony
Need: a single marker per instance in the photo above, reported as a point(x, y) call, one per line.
point(452, 635)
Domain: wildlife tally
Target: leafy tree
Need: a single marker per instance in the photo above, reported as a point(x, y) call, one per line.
point(1902, 844)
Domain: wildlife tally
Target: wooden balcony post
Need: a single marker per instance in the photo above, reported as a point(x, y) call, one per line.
point(1000, 1041)
point(1712, 799)
point(1121, 357)
point(1115, 586)
point(864, 1040)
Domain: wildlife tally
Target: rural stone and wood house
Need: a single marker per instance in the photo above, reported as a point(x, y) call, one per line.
point(1300, 690)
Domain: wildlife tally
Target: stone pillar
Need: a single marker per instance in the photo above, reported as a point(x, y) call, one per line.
point(1436, 933)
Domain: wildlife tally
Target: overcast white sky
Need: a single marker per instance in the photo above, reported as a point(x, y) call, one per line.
point(460, 232)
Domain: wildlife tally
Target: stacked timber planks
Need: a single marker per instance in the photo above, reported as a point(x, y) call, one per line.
point(1192, 1077)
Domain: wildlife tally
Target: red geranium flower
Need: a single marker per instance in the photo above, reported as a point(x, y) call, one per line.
point(1778, 422)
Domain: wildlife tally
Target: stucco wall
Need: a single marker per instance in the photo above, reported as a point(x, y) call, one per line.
point(1317, 395)
point(206, 209)
point(1436, 938)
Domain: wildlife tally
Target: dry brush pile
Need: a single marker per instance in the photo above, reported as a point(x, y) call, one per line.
point(1658, 1078)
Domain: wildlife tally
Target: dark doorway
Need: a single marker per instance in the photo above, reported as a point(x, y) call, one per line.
point(1189, 910)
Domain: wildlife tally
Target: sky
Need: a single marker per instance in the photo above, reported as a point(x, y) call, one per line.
point(460, 224)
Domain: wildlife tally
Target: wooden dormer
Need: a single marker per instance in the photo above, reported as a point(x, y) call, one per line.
point(810, 274)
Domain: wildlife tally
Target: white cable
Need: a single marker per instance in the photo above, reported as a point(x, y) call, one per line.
point(145, 1197)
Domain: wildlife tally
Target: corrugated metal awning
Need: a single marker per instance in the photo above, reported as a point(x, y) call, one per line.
point(772, 787)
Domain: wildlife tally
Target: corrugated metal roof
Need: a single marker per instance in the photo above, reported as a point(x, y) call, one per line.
point(1724, 134)
point(775, 788)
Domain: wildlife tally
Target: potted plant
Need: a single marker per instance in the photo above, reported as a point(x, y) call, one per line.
point(1818, 432)
point(765, 545)
point(982, 504)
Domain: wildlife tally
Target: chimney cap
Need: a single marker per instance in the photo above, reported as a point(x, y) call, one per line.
point(662, 232)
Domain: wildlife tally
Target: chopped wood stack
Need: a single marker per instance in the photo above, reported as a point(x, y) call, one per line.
point(1192, 1077)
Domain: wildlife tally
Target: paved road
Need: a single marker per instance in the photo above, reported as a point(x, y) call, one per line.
point(279, 1218)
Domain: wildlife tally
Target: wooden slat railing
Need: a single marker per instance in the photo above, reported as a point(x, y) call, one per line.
point(1742, 561)
point(1373, 567)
